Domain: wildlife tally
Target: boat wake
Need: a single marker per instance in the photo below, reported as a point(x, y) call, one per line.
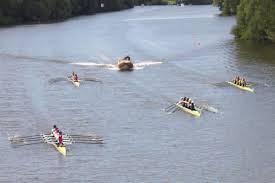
point(208, 108)
point(55, 80)
point(141, 65)
point(221, 84)
point(137, 66)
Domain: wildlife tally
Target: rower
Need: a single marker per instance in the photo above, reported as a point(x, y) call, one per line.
point(72, 76)
point(55, 129)
point(181, 101)
point(192, 106)
point(75, 77)
point(127, 58)
point(60, 139)
point(237, 80)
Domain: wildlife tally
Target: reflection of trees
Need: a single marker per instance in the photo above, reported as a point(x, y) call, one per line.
point(263, 52)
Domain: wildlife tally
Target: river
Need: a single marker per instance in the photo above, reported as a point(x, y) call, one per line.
point(179, 51)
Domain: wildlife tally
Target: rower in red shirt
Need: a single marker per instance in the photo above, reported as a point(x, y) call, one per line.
point(57, 135)
point(75, 77)
point(60, 139)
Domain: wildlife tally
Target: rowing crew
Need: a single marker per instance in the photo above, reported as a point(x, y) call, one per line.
point(240, 81)
point(57, 135)
point(187, 102)
point(74, 77)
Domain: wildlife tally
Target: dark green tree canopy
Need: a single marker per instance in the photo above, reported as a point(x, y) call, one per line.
point(228, 7)
point(19, 11)
point(256, 20)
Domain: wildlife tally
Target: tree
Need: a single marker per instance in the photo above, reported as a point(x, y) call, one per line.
point(255, 20)
point(228, 7)
point(18, 11)
point(39, 10)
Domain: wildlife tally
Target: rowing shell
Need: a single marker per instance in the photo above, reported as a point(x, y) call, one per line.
point(241, 87)
point(48, 140)
point(76, 83)
point(61, 149)
point(193, 112)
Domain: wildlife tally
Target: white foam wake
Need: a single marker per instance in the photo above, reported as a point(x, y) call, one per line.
point(137, 66)
point(92, 64)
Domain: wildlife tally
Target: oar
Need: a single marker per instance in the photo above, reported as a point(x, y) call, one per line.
point(27, 139)
point(87, 142)
point(19, 138)
point(25, 136)
point(87, 139)
point(171, 107)
point(82, 135)
point(22, 144)
point(175, 110)
point(92, 79)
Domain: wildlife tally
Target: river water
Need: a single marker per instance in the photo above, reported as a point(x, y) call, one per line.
point(179, 51)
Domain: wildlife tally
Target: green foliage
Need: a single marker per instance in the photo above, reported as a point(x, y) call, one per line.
point(63, 9)
point(256, 20)
point(228, 7)
point(18, 11)
point(36, 10)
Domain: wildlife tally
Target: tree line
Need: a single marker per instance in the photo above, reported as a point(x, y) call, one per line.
point(21, 11)
point(255, 18)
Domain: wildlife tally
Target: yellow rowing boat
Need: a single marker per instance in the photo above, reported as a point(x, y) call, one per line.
point(76, 83)
point(61, 149)
point(246, 88)
point(193, 112)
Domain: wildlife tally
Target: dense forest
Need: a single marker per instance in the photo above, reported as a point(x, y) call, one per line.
point(21, 11)
point(255, 18)
point(228, 7)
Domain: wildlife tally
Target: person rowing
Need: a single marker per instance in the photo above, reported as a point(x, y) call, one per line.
point(60, 139)
point(127, 58)
point(74, 77)
point(243, 82)
point(188, 103)
point(55, 129)
point(240, 81)
point(57, 135)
